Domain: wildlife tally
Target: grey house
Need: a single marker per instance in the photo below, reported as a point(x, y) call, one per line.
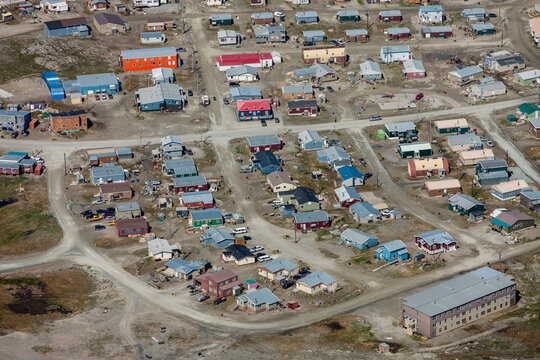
point(370, 70)
point(270, 34)
point(128, 210)
point(357, 239)
point(364, 213)
point(172, 147)
point(220, 237)
point(227, 37)
point(107, 174)
point(180, 167)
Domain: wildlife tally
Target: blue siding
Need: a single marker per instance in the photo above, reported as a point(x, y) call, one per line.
point(66, 31)
point(314, 145)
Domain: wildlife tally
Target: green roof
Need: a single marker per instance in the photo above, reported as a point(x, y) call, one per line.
point(527, 108)
point(251, 281)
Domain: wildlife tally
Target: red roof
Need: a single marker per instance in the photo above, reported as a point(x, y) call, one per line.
point(251, 105)
point(242, 59)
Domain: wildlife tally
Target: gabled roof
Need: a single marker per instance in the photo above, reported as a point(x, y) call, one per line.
point(100, 172)
point(363, 209)
point(492, 164)
point(262, 15)
point(413, 66)
point(467, 71)
point(279, 264)
point(527, 108)
point(238, 252)
point(219, 234)
point(356, 236)
point(128, 206)
point(394, 245)
point(356, 32)
point(297, 89)
point(151, 34)
point(253, 105)
point(197, 196)
point(115, 187)
point(302, 104)
point(148, 52)
point(535, 122)
point(436, 237)
point(189, 181)
point(344, 193)
point(401, 126)
point(263, 140)
point(442, 184)
point(184, 267)
point(266, 158)
point(206, 214)
point(529, 74)
point(170, 139)
point(159, 245)
point(241, 70)
point(63, 23)
point(333, 153)
point(348, 172)
point(395, 49)
point(322, 70)
point(260, 297)
point(310, 216)
point(370, 68)
point(180, 166)
point(301, 14)
point(452, 123)
point(509, 186)
point(350, 12)
point(97, 79)
point(430, 8)
point(279, 177)
point(218, 276)
point(436, 29)
point(464, 139)
point(317, 278)
point(215, 17)
point(242, 59)
point(389, 13)
point(105, 18)
point(308, 136)
point(482, 26)
point(313, 33)
point(510, 217)
point(398, 30)
point(473, 12)
point(416, 146)
point(245, 91)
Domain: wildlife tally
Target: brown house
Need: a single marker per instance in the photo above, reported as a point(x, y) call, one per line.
point(115, 191)
point(160, 24)
point(71, 120)
point(101, 156)
point(219, 284)
point(107, 23)
point(535, 127)
point(442, 187)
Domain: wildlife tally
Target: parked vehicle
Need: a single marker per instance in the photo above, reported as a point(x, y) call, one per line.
point(190, 93)
point(110, 96)
point(278, 14)
point(219, 300)
point(96, 218)
point(98, 202)
point(490, 143)
point(181, 50)
point(483, 138)
point(263, 123)
point(103, 96)
point(287, 283)
point(246, 170)
point(14, 134)
point(362, 161)
point(194, 291)
point(96, 96)
point(308, 43)
point(99, 227)
point(240, 230)
point(234, 84)
point(419, 96)
point(226, 101)
point(375, 118)
point(368, 175)
point(112, 223)
point(329, 88)
point(264, 258)
point(203, 298)
point(276, 120)
point(256, 248)
point(190, 286)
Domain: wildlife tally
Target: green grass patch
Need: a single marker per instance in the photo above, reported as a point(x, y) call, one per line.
point(241, 150)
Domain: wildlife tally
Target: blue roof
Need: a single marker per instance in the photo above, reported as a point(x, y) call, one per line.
point(294, 89)
point(182, 266)
point(262, 15)
point(317, 278)
point(206, 214)
point(385, 13)
point(356, 236)
point(310, 216)
point(352, 12)
point(348, 172)
point(97, 79)
point(239, 70)
point(151, 34)
point(171, 139)
point(436, 237)
point(221, 17)
point(333, 153)
point(395, 49)
point(467, 71)
point(473, 12)
point(313, 33)
point(149, 52)
point(245, 91)
point(197, 196)
point(499, 222)
point(124, 151)
point(260, 297)
point(279, 264)
point(100, 172)
point(181, 166)
point(363, 209)
point(14, 113)
point(263, 140)
point(356, 32)
point(431, 29)
point(48, 76)
point(482, 26)
point(398, 30)
point(394, 245)
point(304, 72)
point(306, 14)
point(431, 8)
point(370, 67)
point(189, 181)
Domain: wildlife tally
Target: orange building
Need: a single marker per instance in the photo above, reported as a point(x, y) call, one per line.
point(69, 121)
point(148, 59)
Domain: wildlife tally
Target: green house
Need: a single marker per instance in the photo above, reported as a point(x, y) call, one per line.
point(527, 110)
point(452, 126)
point(483, 29)
point(208, 217)
point(465, 204)
point(527, 77)
point(415, 150)
point(348, 15)
point(221, 19)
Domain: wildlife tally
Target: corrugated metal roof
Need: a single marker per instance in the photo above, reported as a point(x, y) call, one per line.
point(128, 206)
point(92, 80)
point(279, 264)
point(189, 181)
point(263, 140)
point(356, 236)
point(401, 126)
point(260, 297)
point(206, 214)
point(316, 278)
point(356, 32)
point(148, 53)
point(310, 216)
point(394, 245)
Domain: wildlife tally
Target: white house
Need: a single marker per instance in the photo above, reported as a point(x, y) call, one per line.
point(160, 249)
point(391, 54)
point(244, 73)
point(227, 37)
point(54, 5)
point(430, 14)
point(148, 3)
point(215, 2)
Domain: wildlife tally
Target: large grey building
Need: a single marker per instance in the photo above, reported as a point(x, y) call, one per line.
point(14, 120)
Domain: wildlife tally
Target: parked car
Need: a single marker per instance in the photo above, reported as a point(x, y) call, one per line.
point(96, 96)
point(276, 120)
point(278, 14)
point(189, 152)
point(246, 170)
point(103, 96)
point(329, 88)
point(219, 300)
point(194, 291)
point(419, 96)
point(492, 15)
point(304, 270)
point(483, 138)
point(287, 283)
point(264, 258)
point(101, 211)
point(14, 134)
point(490, 143)
point(99, 227)
point(375, 118)
point(86, 212)
point(308, 43)
point(190, 287)
point(263, 123)
point(96, 218)
point(181, 50)
point(234, 84)
point(98, 202)
point(190, 93)
point(109, 217)
point(112, 223)
point(226, 101)
point(385, 213)
point(368, 175)
point(362, 161)
point(203, 298)
point(256, 248)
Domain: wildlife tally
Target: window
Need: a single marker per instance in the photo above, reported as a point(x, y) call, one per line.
point(506, 303)
point(463, 314)
point(483, 306)
point(470, 318)
point(489, 310)
point(445, 328)
point(483, 313)
point(477, 316)
point(457, 322)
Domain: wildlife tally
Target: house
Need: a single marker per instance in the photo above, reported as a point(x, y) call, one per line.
point(310, 140)
point(280, 181)
point(160, 24)
point(127, 210)
point(442, 187)
point(270, 34)
point(257, 2)
point(311, 220)
point(245, 93)
point(358, 239)
point(333, 155)
point(371, 71)
point(54, 6)
point(534, 25)
point(473, 157)
point(364, 213)
point(483, 29)
point(95, 5)
point(147, 3)
point(436, 32)
point(254, 110)
point(120, 8)
point(124, 153)
point(221, 19)
point(115, 191)
point(106, 83)
point(348, 15)
point(459, 126)
point(349, 176)
point(180, 167)
point(257, 60)
point(346, 196)
point(465, 75)
point(266, 162)
point(474, 15)
point(305, 199)
point(239, 254)
point(527, 77)
point(160, 249)
point(208, 217)
point(107, 174)
point(163, 75)
point(262, 18)
point(66, 27)
point(149, 58)
point(197, 200)
point(220, 237)
point(296, 92)
point(264, 143)
point(26, 9)
point(129, 227)
point(69, 121)
point(511, 220)
point(258, 300)
point(183, 269)
point(107, 23)
point(161, 97)
point(17, 163)
point(101, 156)
point(189, 184)
point(356, 34)
point(171, 147)
point(306, 17)
point(227, 37)
point(428, 167)
point(491, 172)
point(486, 88)
point(242, 73)
point(413, 69)
point(504, 60)
point(389, 54)
point(277, 268)
point(414, 150)
point(152, 37)
point(433, 312)
point(430, 14)
point(392, 250)
point(466, 205)
point(397, 33)
point(530, 199)
point(436, 241)
point(324, 55)
point(406, 129)
point(37, 105)
point(302, 107)
point(390, 15)
point(219, 284)
point(215, 2)
point(323, 73)
point(464, 142)
point(316, 282)
point(534, 127)
point(527, 110)
point(314, 36)
point(509, 190)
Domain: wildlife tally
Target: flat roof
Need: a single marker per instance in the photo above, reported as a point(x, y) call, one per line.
point(148, 53)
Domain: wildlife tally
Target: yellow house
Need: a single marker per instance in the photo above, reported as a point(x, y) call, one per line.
point(280, 181)
point(316, 282)
point(278, 267)
point(324, 55)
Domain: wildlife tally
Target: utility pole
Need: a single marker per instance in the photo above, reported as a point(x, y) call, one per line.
point(367, 20)
point(430, 130)
point(65, 164)
point(502, 37)
point(377, 179)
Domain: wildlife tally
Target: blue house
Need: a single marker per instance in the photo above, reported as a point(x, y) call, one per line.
point(180, 167)
point(167, 97)
point(392, 250)
point(245, 93)
point(349, 176)
point(306, 17)
point(66, 27)
point(333, 155)
point(364, 213)
point(107, 174)
point(186, 269)
point(171, 146)
point(314, 36)
point(220, 237)
point(98, 84)
point(357, 239)
point(310, 140)
point(266, 162)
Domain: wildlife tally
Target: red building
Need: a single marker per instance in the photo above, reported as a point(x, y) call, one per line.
point(390, 15)
point(254, 110)
point(435, 241)
point(436, 31)
point(263, 60)
point(264, 143)
point(302, 107)
point(197, 200)
point(311, 220)
point(534, 127)
point(428, 167)
point(189, 184)
point(16, 163)
point(218, 284)
point(135, 226)
point(148, 59)
point(398, 33)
